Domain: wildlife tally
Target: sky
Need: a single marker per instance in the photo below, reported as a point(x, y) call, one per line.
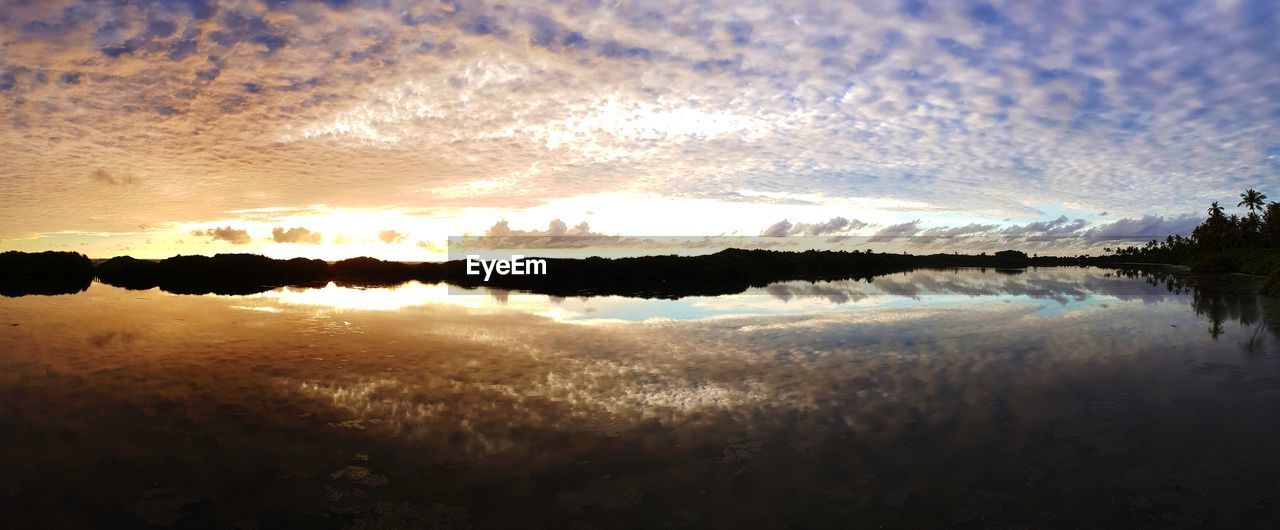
point(340, 128)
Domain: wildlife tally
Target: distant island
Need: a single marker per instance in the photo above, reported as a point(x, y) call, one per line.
point(50, 273)
point(1248, 244)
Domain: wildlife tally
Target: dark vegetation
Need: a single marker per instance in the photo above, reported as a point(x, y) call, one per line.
point(1223, 243)
point(47, 273)
point(725, 272)
point(222, 274)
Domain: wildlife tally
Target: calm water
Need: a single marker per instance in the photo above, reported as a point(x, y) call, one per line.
point(1048, 398)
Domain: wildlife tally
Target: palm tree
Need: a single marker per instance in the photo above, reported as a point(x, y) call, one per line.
point(1215, 210)
point(1252, 199)
point(1235, 228)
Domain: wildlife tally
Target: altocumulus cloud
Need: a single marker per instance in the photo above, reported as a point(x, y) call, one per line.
point(960, 106)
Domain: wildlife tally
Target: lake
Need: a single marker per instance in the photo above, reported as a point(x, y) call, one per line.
point(1051, 397)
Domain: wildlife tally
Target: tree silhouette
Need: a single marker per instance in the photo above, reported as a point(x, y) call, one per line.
point(1222, 243)
point(1271, 225)
point(1215, 210)
point(1252, 199)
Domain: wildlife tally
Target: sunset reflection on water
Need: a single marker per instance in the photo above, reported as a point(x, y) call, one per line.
point(1066, 286)
point(925, 398)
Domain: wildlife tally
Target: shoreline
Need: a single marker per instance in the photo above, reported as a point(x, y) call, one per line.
point(729, 271)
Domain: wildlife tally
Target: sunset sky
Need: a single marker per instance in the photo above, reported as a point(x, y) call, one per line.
point(381, 127)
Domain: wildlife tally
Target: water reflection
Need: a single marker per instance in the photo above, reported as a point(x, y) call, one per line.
point(1053, 397)
point(1051, 290)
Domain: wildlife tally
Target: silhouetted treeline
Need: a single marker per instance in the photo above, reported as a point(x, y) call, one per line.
point(23, 273)
point(1223, 243)
point(221, 274)
point(725, 272)
point(248, 273)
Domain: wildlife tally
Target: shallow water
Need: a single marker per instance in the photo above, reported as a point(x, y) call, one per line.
point(1058, 397)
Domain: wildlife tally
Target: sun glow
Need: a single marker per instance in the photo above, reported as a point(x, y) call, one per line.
point(415, 235)
point(333, 297)
point(326, 233)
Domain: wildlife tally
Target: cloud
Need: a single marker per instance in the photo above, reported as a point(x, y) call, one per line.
point(226, 233)
point(778, 229)
point(984, 111)
point(557, 235)
point(1148, 226)
point(554, 228)
point(432, 246)
point(888, 233)
point(835, 225)
point(832, 226)
point(296, 235)
point(1061, 226)
point(970, 229)
point(1060, 235)
point(390, 236)
point(105, 177)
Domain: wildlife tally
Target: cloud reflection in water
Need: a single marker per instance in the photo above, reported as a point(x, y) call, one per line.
point(931, 382)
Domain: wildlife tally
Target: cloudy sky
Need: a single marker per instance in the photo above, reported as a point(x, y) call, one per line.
point(381, 127)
